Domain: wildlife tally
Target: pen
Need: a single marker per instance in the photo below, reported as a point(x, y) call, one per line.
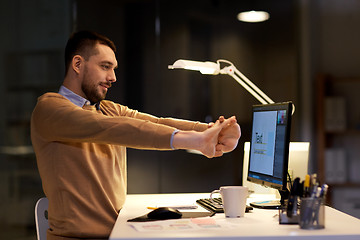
point(313, 185)
point(324, 189)
point(307, 186)
point(315, 191)
point(320, 195)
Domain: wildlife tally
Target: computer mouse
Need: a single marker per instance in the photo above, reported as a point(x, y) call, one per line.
point(163, 213)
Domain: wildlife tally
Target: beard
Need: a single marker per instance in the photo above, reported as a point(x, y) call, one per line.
point(91, 93)
point(91, 89)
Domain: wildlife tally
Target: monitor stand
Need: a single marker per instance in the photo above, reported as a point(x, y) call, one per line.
point(272, 204)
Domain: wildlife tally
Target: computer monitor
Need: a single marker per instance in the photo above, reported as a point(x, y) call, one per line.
point(298, 167)
point(269, 149)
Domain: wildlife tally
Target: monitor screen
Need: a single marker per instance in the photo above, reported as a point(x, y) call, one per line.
point(269, 148)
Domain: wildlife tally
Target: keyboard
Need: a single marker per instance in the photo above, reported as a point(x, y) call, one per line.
point(209, 205)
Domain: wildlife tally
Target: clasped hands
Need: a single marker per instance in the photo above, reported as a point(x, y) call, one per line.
point(223, 137)
point(220, 137)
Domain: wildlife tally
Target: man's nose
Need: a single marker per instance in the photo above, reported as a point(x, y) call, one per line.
point(112, 76)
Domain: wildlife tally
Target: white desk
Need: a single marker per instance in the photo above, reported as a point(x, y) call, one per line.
point(259, 224)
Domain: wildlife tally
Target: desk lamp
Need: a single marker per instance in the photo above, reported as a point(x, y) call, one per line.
point(212, 68)
point(215, 69)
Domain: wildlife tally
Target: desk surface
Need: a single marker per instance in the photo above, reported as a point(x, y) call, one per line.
point(258, 224)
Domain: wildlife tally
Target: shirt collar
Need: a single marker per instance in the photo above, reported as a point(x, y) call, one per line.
point(74, 98)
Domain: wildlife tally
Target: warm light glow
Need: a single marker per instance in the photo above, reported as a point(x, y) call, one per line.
point(253, 16)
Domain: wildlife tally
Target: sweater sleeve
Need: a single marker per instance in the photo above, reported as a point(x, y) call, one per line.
point(176, 123)
point(172, 122)
point(56, 119)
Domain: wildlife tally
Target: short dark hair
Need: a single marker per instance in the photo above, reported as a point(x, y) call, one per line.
point(82, 43)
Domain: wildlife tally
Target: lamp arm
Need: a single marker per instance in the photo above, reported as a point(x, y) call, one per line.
point(245, 82)
point(252, 85)
point(251, 91)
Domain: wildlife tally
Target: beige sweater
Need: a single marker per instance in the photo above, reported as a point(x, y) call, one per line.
point(81, 157)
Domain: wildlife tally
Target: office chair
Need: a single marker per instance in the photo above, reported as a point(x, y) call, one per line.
point(41, 218)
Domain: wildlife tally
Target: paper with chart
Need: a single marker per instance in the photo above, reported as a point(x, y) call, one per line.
point(184, 224)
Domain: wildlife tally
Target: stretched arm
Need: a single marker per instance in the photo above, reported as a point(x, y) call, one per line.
point(206, 142)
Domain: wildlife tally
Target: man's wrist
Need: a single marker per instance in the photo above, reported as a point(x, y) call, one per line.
point(186, 140)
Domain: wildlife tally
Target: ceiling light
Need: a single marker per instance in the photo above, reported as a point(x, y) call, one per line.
point(253, 16)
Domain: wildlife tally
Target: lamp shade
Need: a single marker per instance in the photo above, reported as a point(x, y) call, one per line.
point(203, 67)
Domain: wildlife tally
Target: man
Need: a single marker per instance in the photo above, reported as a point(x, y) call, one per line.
point(80, 141)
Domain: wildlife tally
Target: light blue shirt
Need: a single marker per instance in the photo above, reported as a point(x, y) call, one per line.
point(73, 97)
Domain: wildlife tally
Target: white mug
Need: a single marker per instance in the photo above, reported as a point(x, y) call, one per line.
point(233, 200)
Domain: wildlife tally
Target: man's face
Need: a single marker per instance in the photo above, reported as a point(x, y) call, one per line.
point(99, 74)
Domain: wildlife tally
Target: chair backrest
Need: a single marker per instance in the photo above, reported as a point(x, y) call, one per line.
point(41, 218)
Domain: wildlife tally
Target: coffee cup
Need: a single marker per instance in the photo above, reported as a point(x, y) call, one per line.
point(233, 200)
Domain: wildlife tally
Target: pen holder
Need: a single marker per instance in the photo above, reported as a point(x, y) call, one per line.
point(312, 213)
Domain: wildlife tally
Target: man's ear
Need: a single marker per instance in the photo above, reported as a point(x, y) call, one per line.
point(77, 63)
